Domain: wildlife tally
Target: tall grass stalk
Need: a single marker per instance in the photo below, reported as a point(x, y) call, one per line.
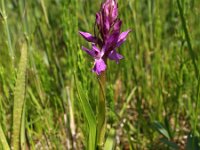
point(187, 36)
point(72, 121)
point(45, 12)
point(19, 98)
point(7, 32)
point(194, 58)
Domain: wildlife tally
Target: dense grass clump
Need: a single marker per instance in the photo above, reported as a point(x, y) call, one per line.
point(152, 95)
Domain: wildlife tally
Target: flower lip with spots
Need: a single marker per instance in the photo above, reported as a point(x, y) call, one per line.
point(104, 46)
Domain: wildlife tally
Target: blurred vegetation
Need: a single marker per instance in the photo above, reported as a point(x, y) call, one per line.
point(152, 95)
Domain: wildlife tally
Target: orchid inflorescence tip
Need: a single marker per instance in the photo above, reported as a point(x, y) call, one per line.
point(104, 46)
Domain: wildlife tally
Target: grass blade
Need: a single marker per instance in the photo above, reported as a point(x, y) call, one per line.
point(127, 102)
point(45, 12)
point(89, 115)
point(170, 144)
point(19, 96)
point(192, 142)
point(159, 127)
point(3, 14)
point(110, 141)
point(3, 140)
point(192, 54)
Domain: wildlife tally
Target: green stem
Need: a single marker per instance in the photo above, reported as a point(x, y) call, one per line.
point(11, 53)
point(187, 36)
point(101, 117)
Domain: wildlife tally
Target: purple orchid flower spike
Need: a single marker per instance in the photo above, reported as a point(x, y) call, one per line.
point(104, 46)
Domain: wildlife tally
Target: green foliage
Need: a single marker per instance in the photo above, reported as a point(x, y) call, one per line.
point(156, 81)
point(192, 142)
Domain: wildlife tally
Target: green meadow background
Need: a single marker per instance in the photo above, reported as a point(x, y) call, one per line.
point(152, 94)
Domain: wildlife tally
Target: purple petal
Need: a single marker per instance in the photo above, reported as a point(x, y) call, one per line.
point(106, 25)
point(90, 52)
point(99, 66)
point(105, 9)
point(98, 19)
point(117, 26)
point(112, 40)
point(95, 52)
point(114, 11)
point(122, 37)
point(95, 48)
point(113, 55)
point(88, 37)
point(109, 9)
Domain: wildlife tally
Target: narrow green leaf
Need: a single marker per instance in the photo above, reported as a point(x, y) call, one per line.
point(89, 115)
point(7, 29)
point(19, 96)
point(3, 140)
point(172, 145)
point(159, 127)
point(127, 101)
point(44, 11)
point(110, 141)
point(192, 142)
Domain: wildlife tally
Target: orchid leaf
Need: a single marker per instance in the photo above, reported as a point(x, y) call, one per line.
point(88, 114)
